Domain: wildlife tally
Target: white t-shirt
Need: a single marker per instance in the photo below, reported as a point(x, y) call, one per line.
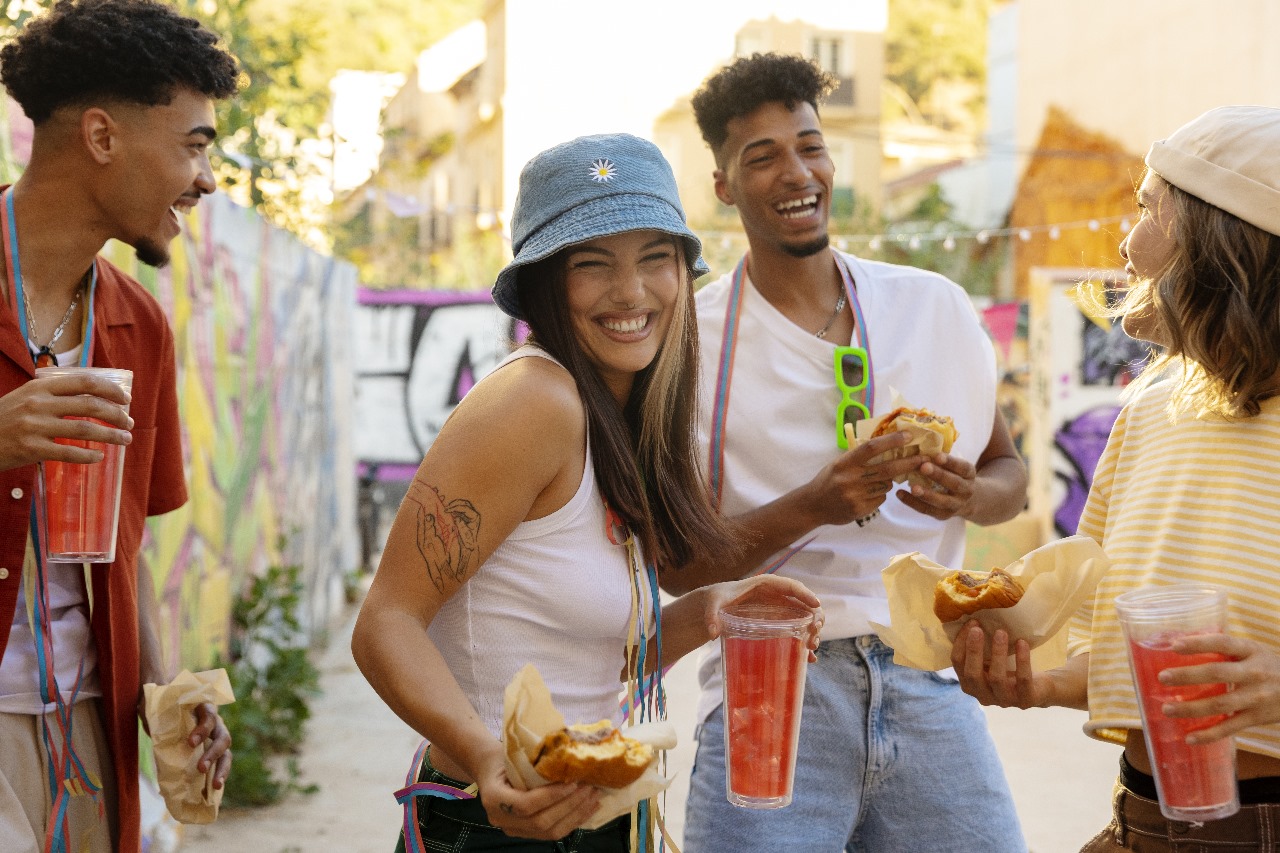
point(926, 345)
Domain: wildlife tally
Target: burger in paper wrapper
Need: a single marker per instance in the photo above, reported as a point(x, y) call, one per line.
point(930, 434)
point(1056, 579)
point(595, 754)
point(530, 721)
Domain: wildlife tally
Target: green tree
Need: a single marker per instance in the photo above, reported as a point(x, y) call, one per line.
point(273, 137)
point(931, 45)
point(276, 139)
point(262, 128)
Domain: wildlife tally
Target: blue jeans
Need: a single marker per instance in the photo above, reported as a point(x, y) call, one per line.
point(891, 760)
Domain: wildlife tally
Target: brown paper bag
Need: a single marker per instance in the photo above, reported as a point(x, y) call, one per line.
point(188, 793)
point(528, 716)
point(1055, 578)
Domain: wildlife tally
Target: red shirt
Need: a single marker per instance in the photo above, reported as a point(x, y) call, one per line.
point(130, 330)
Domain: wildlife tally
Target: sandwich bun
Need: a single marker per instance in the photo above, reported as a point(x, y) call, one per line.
point(593, 754)
point(904, 417)
point(960, 594)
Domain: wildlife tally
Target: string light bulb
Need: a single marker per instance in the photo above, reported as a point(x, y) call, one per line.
point(948, 239)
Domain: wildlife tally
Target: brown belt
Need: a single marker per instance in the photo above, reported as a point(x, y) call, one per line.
point(1255, 827)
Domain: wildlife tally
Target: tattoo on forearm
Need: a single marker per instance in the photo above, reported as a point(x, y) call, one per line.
point(447, 534)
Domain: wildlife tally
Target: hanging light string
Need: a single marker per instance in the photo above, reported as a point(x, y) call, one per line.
point(912, 235)
point(948, 237)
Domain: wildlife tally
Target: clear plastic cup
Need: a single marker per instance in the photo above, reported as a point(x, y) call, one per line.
point(1195, 782)
point(765, 655)
point(77, 505)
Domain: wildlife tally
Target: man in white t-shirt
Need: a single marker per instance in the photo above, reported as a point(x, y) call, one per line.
point(890, 758)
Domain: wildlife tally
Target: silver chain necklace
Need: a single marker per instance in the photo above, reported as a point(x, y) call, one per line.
point(840, 303)
point(57, 333)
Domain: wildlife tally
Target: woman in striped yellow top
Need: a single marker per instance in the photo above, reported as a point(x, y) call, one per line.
point(1188, 488)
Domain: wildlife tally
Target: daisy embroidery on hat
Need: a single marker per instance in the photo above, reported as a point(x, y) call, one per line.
point(602, 170)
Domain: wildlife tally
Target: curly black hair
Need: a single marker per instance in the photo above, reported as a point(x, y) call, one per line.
point(137, 51)
point(750, 82)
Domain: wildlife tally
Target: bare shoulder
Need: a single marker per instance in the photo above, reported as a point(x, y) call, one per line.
point(527, 414)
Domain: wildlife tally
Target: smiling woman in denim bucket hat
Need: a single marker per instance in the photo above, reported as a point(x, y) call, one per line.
point(592, 186)
point(558, 488)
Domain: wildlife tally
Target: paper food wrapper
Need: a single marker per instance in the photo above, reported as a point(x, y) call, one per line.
point(1056, 579)
point(188, 793)
point(923, 442)
point(528, 716)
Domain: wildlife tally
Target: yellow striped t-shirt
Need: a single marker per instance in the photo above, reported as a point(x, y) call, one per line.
point(1193, 500)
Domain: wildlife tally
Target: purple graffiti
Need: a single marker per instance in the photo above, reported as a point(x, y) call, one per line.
point(1081, 441)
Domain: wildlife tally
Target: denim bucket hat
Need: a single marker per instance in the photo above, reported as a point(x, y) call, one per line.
point(589, 187)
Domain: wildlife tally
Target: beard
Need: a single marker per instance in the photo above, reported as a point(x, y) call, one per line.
point(152, 253)
point(804, 250)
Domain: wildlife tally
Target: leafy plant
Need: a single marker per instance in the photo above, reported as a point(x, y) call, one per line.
point(274, 681)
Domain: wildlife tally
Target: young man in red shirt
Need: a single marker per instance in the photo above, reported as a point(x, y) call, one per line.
point(121, 94)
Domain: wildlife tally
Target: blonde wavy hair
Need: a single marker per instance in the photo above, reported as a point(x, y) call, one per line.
point(1216, 303)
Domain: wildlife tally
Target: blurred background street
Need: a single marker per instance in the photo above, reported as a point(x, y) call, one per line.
point(331, 303)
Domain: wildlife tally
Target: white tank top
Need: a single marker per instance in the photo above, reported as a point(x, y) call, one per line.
point(556, 593)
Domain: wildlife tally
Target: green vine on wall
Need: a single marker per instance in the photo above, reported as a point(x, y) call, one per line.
point(274, 681)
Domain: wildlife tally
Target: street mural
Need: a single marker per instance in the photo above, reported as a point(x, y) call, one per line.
point(1080, 364)
point(416, 354)
point(263, 345)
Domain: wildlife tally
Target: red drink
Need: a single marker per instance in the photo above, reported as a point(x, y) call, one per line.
point(82, 504)
point(1200, 777)
point(764, 672)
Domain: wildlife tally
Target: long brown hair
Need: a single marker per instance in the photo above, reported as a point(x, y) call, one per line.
point(644, 453)
point(1217, 305)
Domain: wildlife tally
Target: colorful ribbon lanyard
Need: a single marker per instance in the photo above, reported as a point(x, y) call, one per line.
point(17, 300)
point(68, 777)
point(724, 379)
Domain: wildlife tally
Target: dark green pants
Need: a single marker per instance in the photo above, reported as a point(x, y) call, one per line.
point(461, 826)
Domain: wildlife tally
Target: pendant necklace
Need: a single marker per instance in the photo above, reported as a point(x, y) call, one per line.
point(45, 356)
point(840, 303)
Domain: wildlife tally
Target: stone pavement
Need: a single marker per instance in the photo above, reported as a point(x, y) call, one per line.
point(357, 751)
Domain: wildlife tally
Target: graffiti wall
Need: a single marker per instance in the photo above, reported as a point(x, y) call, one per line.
point(416, 354)
point(264, 347)
point(1080, 363)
